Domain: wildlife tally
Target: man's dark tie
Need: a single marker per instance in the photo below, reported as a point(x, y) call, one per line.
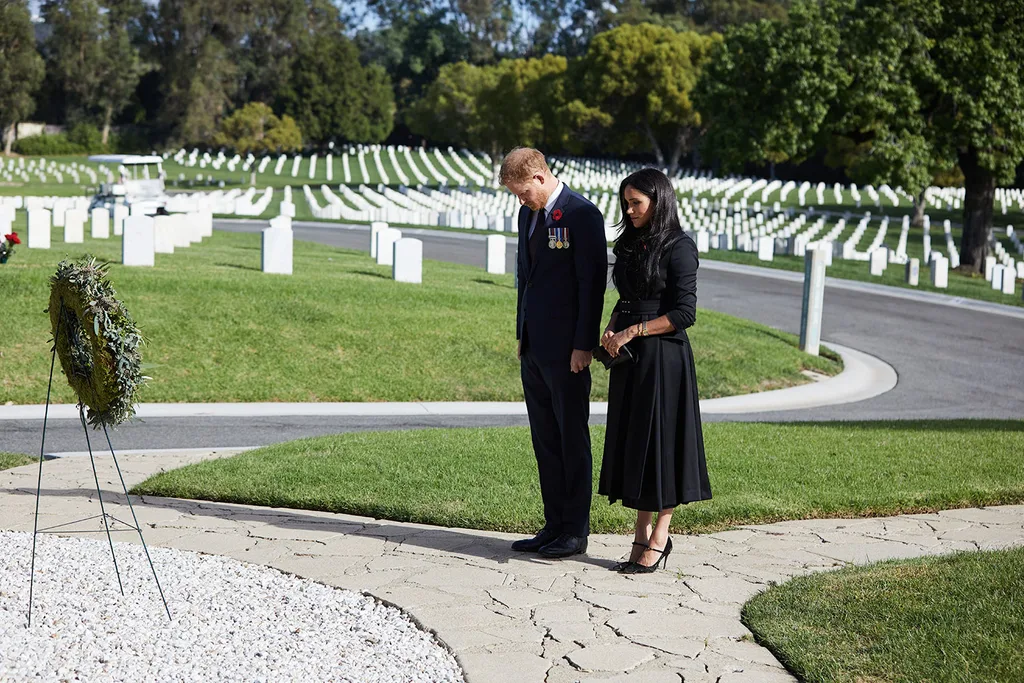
point(538, 236)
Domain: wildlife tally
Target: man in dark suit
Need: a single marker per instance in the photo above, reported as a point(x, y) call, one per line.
point(562, 270)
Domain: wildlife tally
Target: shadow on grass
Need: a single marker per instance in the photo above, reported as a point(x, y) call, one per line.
point(464, 542)
point(235, 265)
point(918, 425)
point(492, 282)
point(370, 273)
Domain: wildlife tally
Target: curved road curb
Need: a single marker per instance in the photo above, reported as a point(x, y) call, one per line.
point(863, 377)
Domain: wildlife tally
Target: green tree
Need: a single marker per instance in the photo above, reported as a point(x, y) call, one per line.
point(74, 52)
point(255, 128)
point(331, 95)
point(899, 102)
point(765, 95)
point(635, 83)
point(515, 102)
point(450, 108)
point(21, 67)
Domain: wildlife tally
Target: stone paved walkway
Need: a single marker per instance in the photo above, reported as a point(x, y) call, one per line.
point(514, 617)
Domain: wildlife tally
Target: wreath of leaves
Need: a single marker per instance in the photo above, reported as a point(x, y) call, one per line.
point(97, 341)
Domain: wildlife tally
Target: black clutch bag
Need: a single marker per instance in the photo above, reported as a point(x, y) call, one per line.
point(625, 356)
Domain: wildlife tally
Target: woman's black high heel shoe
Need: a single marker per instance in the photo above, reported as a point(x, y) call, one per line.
point(637, 568)
point(622, 565)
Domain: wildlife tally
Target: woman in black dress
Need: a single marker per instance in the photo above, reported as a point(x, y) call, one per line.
point(654, 449)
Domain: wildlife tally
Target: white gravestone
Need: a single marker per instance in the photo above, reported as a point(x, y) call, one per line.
point(120, 214)
point(138, 245)
point(940, 271)
point(38, 229)
point(207, 223)
point(813, 300)
point(181, 232)
point(375, 228)
point(277, 245)
point(74, 226)
point(386, 239)
point(193, 227)
point(913, 272)
point(703, 242)
point(163, 233)
point(496, 247)
point(990, 264)
point(408, 260)
point(1009, 281)
point(997, 277)
point(100, 224)
point(765, 249)
point(879, 260)
point(287, 209)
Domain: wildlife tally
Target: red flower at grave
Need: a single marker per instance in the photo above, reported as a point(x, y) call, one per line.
point(557, 214)
point(12, 238)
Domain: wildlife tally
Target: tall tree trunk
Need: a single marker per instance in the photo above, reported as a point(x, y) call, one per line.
point(108, 114)
point(659, 156)
point(683, 138)
point(8, 138)
point(979, 200)
point(771, 170)
point(919, 206)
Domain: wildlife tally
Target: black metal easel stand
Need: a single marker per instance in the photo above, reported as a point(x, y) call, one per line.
point(103, 512)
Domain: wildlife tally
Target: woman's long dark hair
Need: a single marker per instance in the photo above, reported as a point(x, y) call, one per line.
point(640, 249)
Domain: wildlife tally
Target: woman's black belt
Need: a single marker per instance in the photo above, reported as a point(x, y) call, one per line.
point(638, 307)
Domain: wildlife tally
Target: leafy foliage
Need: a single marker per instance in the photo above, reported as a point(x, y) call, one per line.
point(255, 128)
point(332, 96)
point(21, 67)
point(897, 102)
point(96, 340)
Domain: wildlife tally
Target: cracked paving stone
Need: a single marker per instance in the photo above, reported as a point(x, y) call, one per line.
point(865, 553)
point(745, 651)
point(460, 576)
point(647, 676)
point(725, 589)
point(495, 668)
point(684, 647)
point(683, 625)
point(522, 597)
point(567, 611)
point(981, 516)
point(572, 633)
point(605, 656)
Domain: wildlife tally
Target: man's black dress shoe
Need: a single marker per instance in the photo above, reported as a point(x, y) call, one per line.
point(565, 546)
point(532, 545)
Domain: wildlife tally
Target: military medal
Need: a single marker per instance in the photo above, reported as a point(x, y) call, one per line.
point(551, 244)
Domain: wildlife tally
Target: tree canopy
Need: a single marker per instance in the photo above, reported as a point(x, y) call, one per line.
point(898, 90)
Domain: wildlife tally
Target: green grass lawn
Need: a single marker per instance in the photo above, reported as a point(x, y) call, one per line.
point(760, 473)
point(946, 619)
point(9, 460)
point(340, 329)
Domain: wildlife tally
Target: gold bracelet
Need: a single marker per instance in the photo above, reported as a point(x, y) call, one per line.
point(643, 329)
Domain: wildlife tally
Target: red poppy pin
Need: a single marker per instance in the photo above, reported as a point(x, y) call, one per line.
point(557, 214)
point(13, 238)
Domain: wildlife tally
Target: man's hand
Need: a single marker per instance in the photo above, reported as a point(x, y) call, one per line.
point(519, 349)
point(580, 360)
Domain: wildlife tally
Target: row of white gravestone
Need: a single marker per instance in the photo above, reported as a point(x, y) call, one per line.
point(405, 255)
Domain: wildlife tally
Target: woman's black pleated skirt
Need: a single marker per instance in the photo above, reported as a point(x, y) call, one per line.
point(654, 446)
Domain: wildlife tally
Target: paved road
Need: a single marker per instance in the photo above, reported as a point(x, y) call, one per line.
point(952, 362)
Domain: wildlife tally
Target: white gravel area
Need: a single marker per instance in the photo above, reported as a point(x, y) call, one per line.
point(232, 621)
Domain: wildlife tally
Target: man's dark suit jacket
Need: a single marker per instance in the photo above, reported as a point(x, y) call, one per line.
point(561, 292)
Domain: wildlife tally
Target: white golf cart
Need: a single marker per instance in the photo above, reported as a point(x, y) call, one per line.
point(140, 183)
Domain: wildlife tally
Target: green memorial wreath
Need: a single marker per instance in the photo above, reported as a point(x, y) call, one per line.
point(97, 341)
